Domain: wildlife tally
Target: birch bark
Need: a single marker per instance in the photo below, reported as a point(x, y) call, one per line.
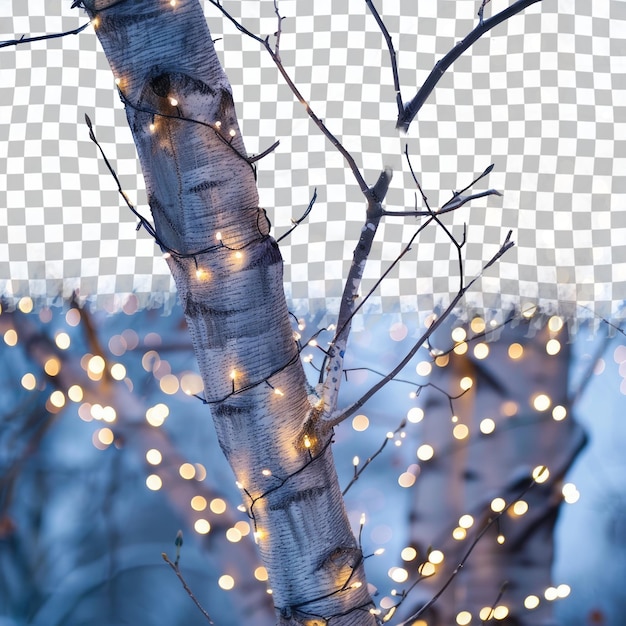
point(228, 271)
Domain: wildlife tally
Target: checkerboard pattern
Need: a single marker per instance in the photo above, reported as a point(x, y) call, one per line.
point(541, 96)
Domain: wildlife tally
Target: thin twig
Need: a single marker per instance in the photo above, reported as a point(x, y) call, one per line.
point(299, 221)
point(358, 471)
point(392, 55)
point(178, 573)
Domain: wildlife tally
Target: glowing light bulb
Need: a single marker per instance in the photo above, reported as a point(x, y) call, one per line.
point(173, 102)
point(232, 132)
point(307, 441)
point(152, 127)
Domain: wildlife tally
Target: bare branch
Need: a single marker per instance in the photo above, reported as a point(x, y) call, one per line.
point(412, 108)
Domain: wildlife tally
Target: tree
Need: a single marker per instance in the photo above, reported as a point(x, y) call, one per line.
point(275, 431)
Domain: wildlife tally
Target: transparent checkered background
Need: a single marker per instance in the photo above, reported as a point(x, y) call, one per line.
point(542, 96)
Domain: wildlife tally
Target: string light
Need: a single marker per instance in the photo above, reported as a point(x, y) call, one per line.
point(173, 102)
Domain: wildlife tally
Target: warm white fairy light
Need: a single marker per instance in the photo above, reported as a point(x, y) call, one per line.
point(52, 366)
point(154, 482)
point(463, 618)
point(202, 526)
point(478, 325)
point(466, 521)
point(563, 590)
point(553, 347)
point(360, 423)
point(307, 442)
point(481, 351)
point(426, 569)
point(201, 274)
point(198, 503)
point(460, 432)
point(487, 426)
point(355, 461)
point(260, 573)
point(459, 533)
point(10, 337)
point(232, 132)
point(466, 383)
point(559, 413)
point(233, 535)
point(408, 554)
point(570, 493)
point(509, 408)
point(540, 474)
point(62, 340)
point(520, 507)
point(461, 348)
point(458, 334)
point(555, 323)
point(436, 557)
point(541, 402)
point(29, 382)
point(498, 505)
point(531, 602)
point(515, 351)
point(398, 574)
point(217, 506)
point(425, 452)
point(550, 594)
point(173, 102)
point(423, 368)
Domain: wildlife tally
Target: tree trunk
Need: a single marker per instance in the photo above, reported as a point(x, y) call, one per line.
point(228, 271)
point(495, 460)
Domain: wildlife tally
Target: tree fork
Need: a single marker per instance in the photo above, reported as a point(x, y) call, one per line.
point(228, 271)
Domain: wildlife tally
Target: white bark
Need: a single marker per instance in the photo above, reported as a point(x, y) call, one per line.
point(200, 184)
